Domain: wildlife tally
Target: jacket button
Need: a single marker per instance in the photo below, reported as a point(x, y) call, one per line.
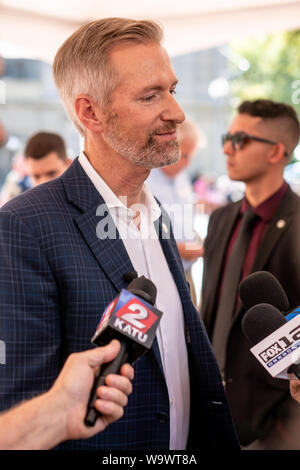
point(163, 417)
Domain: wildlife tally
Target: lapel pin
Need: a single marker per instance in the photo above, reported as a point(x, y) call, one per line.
point(165, 228)
point(281, 223)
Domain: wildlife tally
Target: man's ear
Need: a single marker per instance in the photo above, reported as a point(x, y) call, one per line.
point(88, 113)
point(277, 153)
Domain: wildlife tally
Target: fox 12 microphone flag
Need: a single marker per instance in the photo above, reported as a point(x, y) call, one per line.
point(278, 351)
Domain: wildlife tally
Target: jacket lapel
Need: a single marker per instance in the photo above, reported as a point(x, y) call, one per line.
point(172, 256)
point(169, 248)
point(97, 226)
point(225, 232)
point(215, 264)
point(277, 227)
point(109, 250)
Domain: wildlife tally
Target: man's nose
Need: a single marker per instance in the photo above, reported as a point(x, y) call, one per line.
point(228, 148)
point(172, 111)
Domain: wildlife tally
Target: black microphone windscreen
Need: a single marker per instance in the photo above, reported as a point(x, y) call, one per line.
point(128, 277)
point(260, 321)
point(144, 288)
point(262, 287)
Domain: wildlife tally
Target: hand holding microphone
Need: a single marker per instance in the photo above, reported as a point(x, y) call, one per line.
point(132, 319)
point(57, 415)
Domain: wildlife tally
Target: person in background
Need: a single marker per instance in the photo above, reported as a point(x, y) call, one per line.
point(172, 187)
point(44, 158)
point(16, 181)
point(260, 232)
point(58, 415)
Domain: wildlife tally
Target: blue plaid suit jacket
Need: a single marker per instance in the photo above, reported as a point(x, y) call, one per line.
point(56, 278)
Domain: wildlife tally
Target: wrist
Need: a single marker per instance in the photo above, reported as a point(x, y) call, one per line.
point(56, 409)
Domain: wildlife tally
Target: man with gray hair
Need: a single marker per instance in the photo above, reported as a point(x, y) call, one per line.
point(60, 266)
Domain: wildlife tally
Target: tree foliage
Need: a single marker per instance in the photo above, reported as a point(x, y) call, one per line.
point(274, 66)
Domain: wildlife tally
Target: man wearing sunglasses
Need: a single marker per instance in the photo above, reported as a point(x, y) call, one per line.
point(261, 232)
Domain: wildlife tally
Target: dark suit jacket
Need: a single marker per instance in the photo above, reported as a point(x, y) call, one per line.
point(56, 278)
point(258, 402)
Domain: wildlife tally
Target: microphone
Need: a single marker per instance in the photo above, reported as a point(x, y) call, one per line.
point(262, 287)
point(128, 277)
point(132, 319)
point(260, 321)
point(275, 340)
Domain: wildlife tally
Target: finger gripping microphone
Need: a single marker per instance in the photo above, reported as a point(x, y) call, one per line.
point(262, 287)
point(132, 319)
point(275, 341)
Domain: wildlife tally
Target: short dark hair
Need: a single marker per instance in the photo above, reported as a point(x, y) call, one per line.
point(268, 109)
point(42, 143)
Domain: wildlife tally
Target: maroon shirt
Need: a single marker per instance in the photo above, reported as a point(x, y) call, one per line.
point(265, 211)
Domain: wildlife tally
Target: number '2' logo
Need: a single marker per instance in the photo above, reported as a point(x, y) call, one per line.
point(137, 315)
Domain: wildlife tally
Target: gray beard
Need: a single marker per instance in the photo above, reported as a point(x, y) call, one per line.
point(150, 155)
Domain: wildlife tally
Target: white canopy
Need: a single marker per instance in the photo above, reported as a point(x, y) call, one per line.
point(42, 26)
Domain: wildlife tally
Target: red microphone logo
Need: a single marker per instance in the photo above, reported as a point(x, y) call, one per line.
point(135, 320)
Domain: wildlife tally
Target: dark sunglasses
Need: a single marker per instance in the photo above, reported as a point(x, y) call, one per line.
point(239, 139)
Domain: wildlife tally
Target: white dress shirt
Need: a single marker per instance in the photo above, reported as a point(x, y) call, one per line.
point(178, 199)
point(147, 257)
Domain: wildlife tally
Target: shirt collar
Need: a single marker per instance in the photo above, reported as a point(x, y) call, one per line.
point(111, 200)
point(267, 208)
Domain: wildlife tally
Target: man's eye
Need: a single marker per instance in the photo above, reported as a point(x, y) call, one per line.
point(149, 98)
point(173, 92)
